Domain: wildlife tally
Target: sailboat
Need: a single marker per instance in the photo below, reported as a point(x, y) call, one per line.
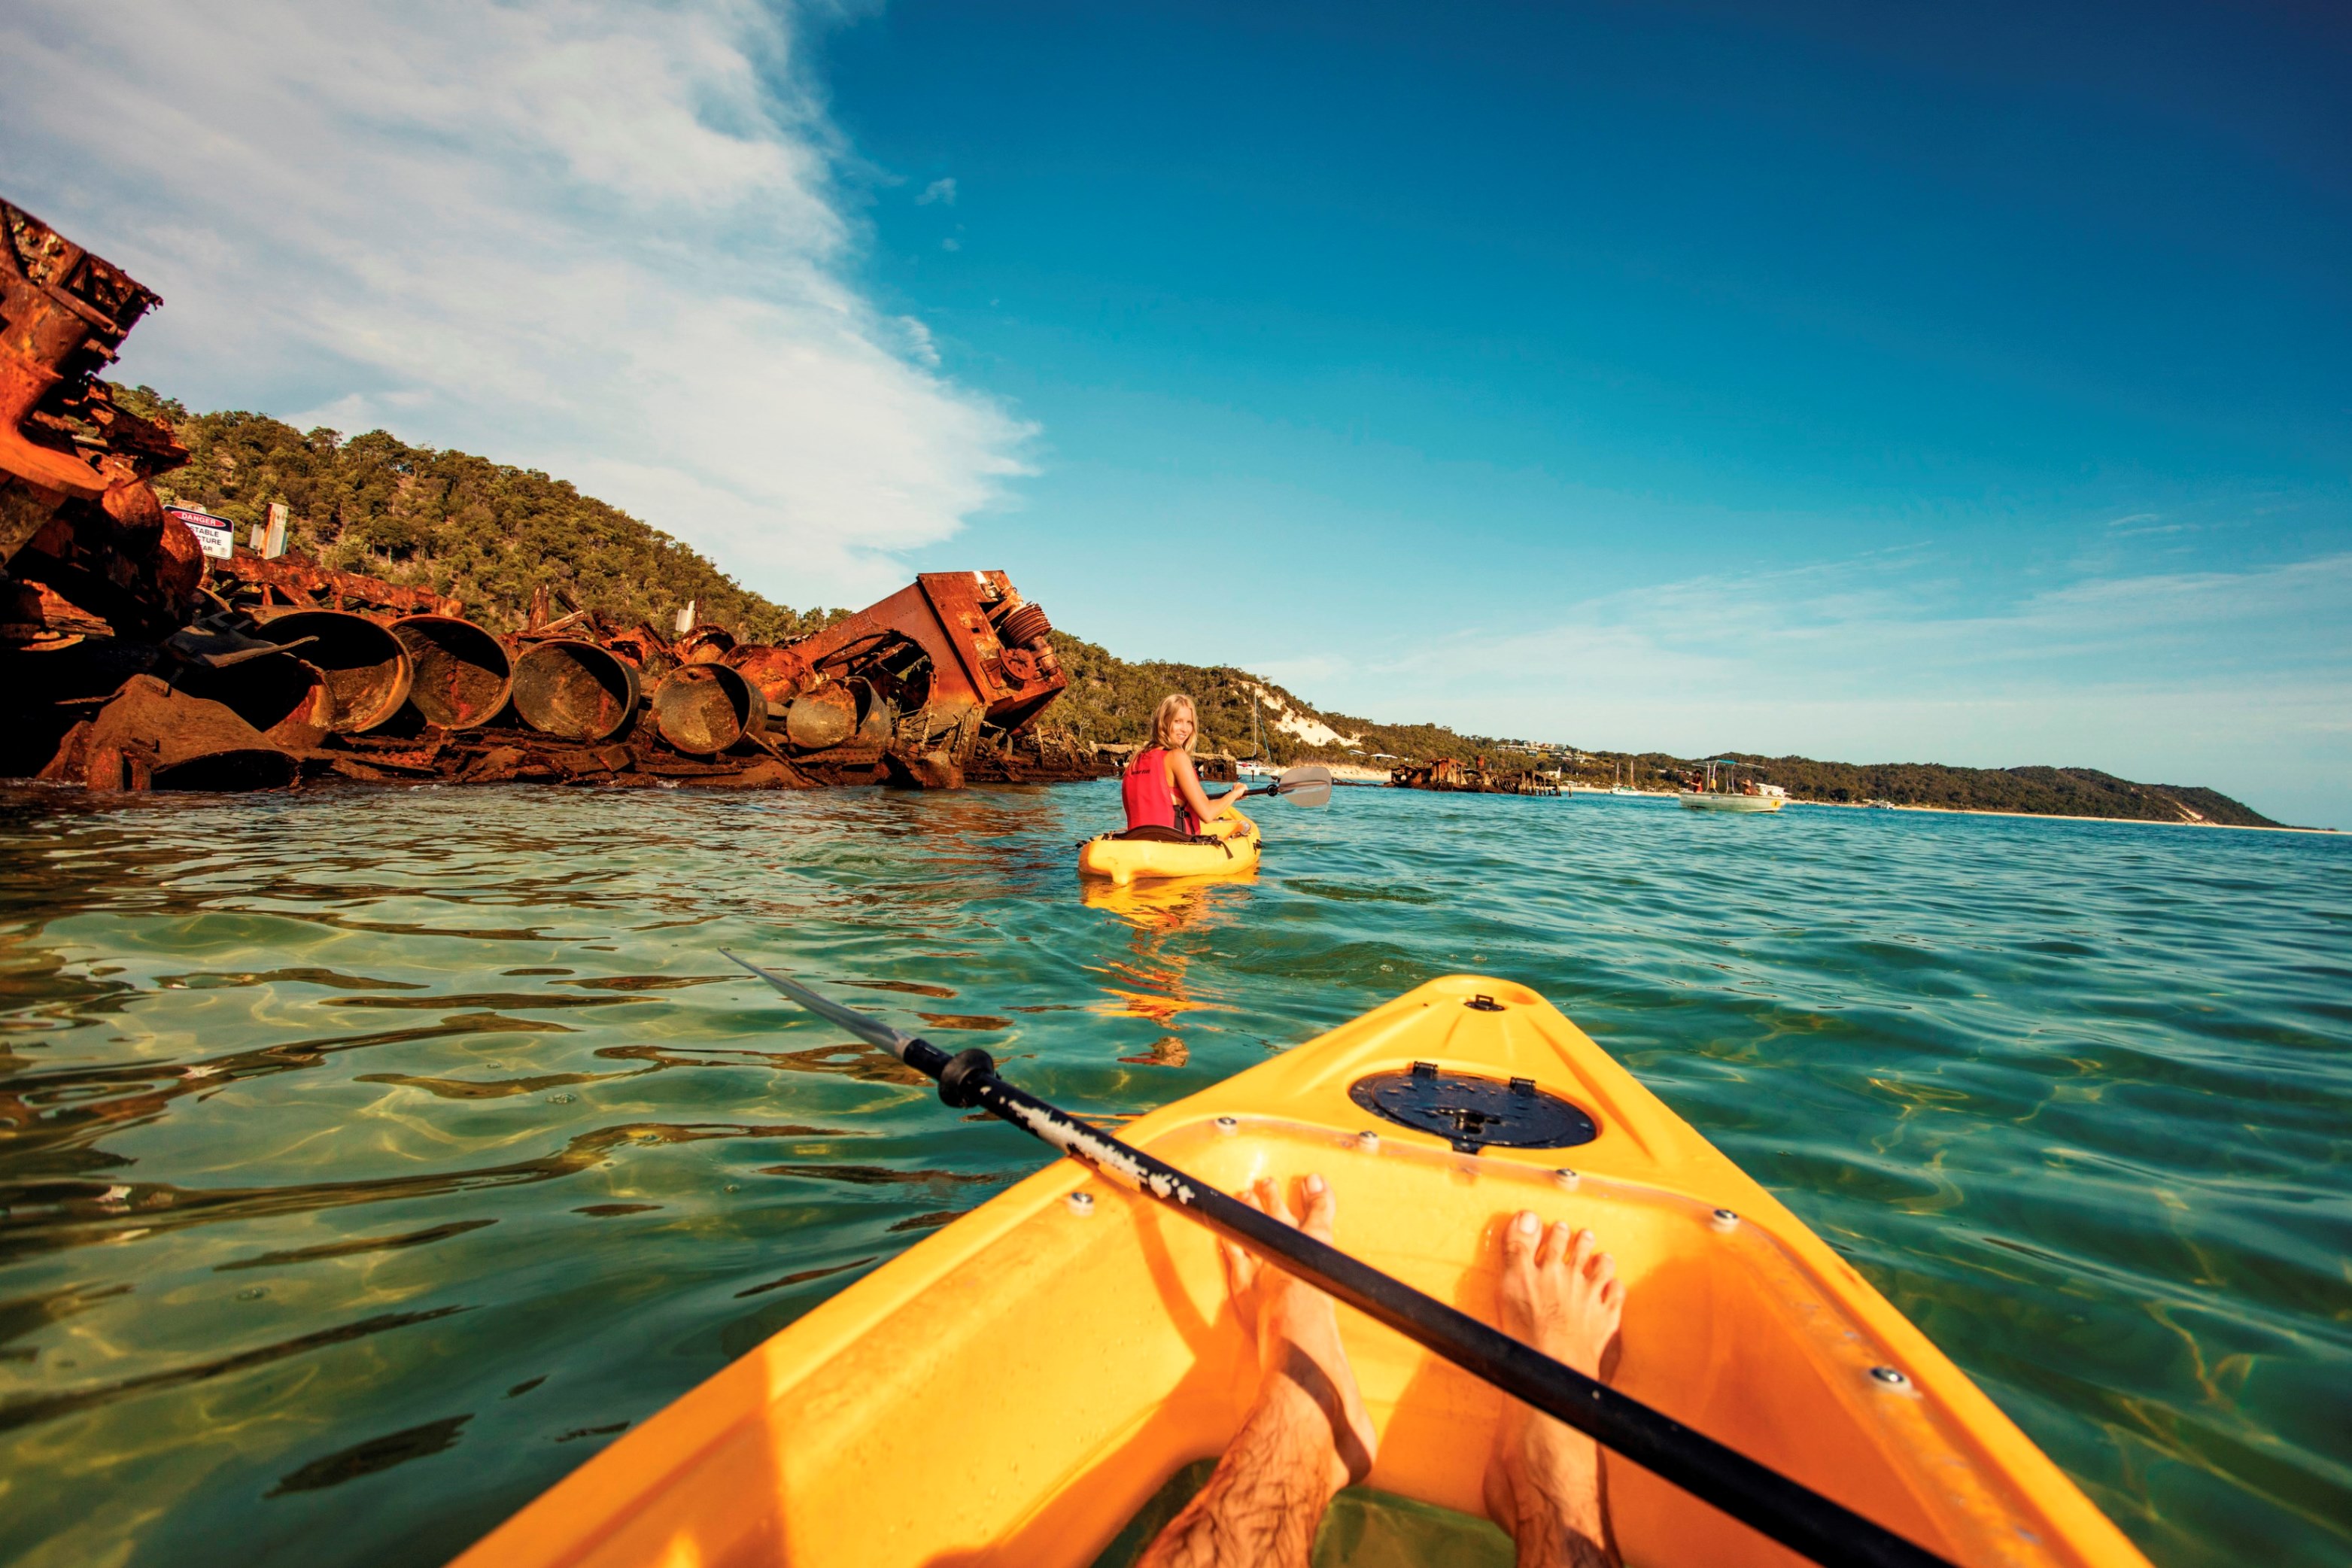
point(1624, 785)
point(1259, 765)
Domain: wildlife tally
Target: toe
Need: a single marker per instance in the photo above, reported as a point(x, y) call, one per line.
point(1241, 1271)
point(1321, 1207)
point(1554, 1246)
point(1270, 1199)
point(1580, 1251)
point(1601, 1269)
point(1519, 1239)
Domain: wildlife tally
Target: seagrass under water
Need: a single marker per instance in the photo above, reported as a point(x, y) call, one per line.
point(371, 1158)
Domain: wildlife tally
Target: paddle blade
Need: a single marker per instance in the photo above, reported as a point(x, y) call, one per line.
point(1309, 785)
point(865, 1025)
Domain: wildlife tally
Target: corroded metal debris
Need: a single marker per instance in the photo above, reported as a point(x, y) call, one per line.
point(1475, 777)
point(130, 659)
point(463, 674)
point(86, 542)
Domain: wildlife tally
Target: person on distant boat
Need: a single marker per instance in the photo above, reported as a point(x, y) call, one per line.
point(1162, 788)
point(1308, 1434)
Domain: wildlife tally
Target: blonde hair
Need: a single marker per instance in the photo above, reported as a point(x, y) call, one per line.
point(1163, 720)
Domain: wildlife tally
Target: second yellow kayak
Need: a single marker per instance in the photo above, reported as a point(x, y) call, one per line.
point(1233, 848)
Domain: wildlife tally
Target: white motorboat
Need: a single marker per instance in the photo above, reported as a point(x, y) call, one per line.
point(1722, 789)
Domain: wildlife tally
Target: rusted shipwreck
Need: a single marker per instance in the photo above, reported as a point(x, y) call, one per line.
point(1449, 776)
point(128, 660)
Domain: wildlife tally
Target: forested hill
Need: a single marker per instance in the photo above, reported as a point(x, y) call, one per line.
point(1111, 699)
point(490, 533)
point(483, 531)
point(2049, 791)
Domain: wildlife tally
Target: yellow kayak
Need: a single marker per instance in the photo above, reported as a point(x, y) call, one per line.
point(1012, 1389)
point(1124, 860)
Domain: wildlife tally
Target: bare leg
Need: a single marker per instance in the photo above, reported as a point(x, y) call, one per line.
point(1560, 1294)
point(1306, 1436)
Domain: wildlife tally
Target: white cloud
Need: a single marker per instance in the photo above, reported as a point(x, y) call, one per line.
point(2145, 522)
point(598, 238)
point(942, 191)
point(920, 342)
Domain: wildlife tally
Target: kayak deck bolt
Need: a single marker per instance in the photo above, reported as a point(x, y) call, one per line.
point(1725, 1219)
point(1483, 1002)
point(1368, 1142)
point(1082, 1203)
point(1566, 1178)
point(1229, 1125)
point(1890, 1377)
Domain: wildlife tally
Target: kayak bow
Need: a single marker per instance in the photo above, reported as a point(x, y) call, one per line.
point(1048, 1360)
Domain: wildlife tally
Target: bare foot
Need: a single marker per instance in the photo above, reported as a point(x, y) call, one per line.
point(1562, 1295)
point(1306, 1433)
point(1296, 1330)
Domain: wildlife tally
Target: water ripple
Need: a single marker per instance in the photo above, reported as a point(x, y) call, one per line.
point(370, 1158)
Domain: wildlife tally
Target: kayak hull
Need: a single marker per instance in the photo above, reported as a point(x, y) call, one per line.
point(1123, 861)
point(1013, 1388)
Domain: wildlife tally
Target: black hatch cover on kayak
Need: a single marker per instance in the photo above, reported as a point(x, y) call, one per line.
point(1470, 1110)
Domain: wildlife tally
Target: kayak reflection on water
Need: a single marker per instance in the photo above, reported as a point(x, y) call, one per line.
point(1308, 1434)
point(1151, 983)
point(1164, 908)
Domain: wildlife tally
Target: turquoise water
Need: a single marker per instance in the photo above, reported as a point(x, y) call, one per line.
point(371, 1158)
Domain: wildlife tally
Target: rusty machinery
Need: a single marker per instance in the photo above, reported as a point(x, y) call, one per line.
point(923, 678)
point(84, 541)
point(135, 663)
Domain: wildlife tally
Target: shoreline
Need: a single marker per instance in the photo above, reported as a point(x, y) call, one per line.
point(2026, 816)
point(2056, 816)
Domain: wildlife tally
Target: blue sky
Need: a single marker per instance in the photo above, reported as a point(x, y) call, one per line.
point(1973, 387)
point(1468, 336)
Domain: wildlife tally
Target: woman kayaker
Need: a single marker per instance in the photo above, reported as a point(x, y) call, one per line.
point(1308, 1434)
point(1162, 788)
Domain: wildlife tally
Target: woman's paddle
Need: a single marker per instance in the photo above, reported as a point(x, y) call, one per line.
point(1309, 785)
point(1792, 1514)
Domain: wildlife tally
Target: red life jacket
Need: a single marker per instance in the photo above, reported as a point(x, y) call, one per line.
point(1152, 800)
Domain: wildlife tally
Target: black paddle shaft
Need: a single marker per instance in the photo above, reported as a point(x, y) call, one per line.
point(1789, 1512)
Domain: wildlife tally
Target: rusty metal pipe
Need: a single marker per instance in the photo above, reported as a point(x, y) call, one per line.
point(367, 670)
point(463, 674)
point(825, 716)
point(705, 708)
point(875, 714)
point(574, 691)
